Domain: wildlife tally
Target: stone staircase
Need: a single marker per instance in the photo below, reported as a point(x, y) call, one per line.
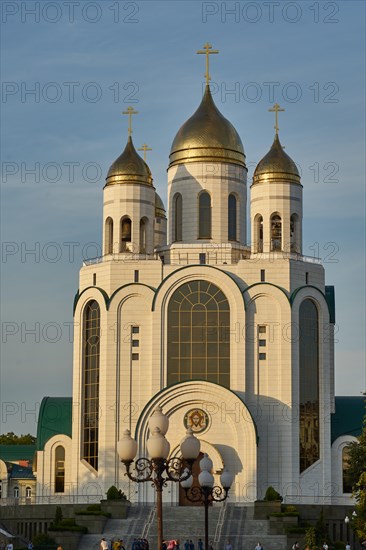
point(231, 522)
point(125, 529)
point(185, 522)
point(244, 531)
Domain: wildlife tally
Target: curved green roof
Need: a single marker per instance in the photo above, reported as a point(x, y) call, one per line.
point(55, 417)
point(348, 416)
point(14, 453)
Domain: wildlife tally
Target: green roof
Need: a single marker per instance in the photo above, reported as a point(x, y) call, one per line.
point(55, 417)
point(14, 453)
point(348, 416)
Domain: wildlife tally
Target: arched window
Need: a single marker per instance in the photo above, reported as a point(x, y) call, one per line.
point(108, 246)
point(276, 232)
point(294, 233)
point(258, 233)
point(143, 227)
point(199, 334)
point(178, 217)
point(204, 216)
point(232, 215)
point(346, 478)
point(309, 384)
point(91, 355)
point(28, 492)
point(59, 469)
point(125, 235)
point(16, 492)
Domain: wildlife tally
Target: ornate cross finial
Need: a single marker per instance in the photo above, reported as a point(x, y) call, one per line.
point(207, 51)
point(276, 109)
point(144, 148)
point(130, 111)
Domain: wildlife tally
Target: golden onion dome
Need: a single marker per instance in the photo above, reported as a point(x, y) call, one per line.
point(276, 165)
point(207, 136)
point(129, 167)
point(160, 211)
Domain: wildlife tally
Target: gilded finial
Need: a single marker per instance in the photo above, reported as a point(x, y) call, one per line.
point(144, 148)
point(130, 111)
point(207, 51)
point(276, 109)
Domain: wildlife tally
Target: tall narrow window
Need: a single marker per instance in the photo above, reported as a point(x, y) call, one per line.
point(294, 230)
point(276, 232)
point(59, 469)
point(204, 216)
point(258, 233)
point(16, 492)
point(232, 218)
point(309, 384)
point(91, 356)
point(28, 492)
point(125, 245)
point(346, 478)
point(178, 217)
point(199, 334)
point(143, 228)
point(108, 246)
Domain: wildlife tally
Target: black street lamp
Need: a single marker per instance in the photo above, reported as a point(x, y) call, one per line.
point(158, 469)
point(346, 521)
point(206, 492)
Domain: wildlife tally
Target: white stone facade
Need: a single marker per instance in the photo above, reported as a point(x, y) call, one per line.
point(254, 426)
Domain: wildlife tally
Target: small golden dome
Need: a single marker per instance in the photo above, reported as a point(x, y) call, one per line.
point(129, 167)
point(276, 165)
point(207, 136)
point(160, 211)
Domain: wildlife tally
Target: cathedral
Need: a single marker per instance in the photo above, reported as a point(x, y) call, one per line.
point(234, 340)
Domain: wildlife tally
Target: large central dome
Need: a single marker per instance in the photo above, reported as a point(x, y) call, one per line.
point(207, 136)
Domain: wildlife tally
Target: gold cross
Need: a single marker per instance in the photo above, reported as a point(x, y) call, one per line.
point(207, 51)
point(144, 148)
point(130, 111)
point(276, 109)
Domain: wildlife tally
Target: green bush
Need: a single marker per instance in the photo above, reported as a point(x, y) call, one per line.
point(94, 508)
point(289, 508)
point(285, 514)
point(115, 494)
point(92, 513)
point(310, 538)
point(272, 494)
point(42, 539)
point(58, 515)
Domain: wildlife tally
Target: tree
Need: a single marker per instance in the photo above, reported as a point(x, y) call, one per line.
point(359, 522)
point(12, 439)
point(357, 457)
point(357, 471)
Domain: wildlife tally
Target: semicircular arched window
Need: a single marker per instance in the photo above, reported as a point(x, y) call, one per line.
point(178, 217)
point(60, 469)
point(204, 216)
point(91, 356)
point(198, 334)
point(232, 215)
point(309, 384)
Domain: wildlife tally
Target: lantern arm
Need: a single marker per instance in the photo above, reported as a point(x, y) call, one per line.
point(218, 494)
point(175, 469)
point(194, 494)
point(142, 471)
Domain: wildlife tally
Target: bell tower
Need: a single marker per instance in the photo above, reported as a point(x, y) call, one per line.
point(276, 201)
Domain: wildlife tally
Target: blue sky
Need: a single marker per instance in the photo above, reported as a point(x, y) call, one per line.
point(86, 67)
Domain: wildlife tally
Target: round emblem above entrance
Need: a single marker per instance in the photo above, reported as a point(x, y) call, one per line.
point(197, 419)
